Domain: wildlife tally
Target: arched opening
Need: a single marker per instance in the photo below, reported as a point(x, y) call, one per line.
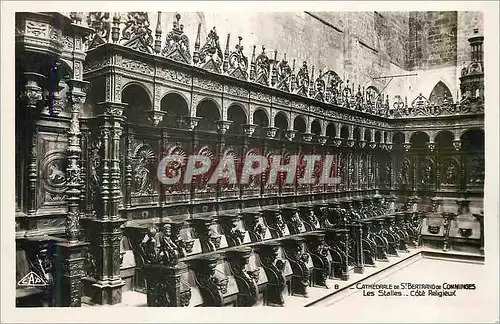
point(440, 94)
point(330, 130)
point(261, 120)
point(473, 144)
point(444, 140)
point(138, 103)
point(299, 125)
point(356, 134)
point(419, 140)
point(473, 140)
point(174, 106)
point(316, 128)
point(398, 138)
point(281, 122)
point(368, 136)
point(344, 132)
point(378, 137)
point(209, 114)
point(237, 115)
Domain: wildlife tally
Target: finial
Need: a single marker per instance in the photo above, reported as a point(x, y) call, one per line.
point(263, 49)
point(197, 42)
point(158, 24)
point(239, 47)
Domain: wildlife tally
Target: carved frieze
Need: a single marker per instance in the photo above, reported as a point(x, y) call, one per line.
point(137, 66)
point(236, 91)
point(207, 84)
point(282, 101)
point(174, 75)
point(260, 96)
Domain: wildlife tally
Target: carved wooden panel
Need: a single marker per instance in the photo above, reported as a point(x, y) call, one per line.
point(51, 195)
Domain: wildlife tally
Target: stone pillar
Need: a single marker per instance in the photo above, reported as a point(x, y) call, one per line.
point(107, 288)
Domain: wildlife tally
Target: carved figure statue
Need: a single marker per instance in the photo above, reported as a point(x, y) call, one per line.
point(404, 175)
point(450, 173)
point(149, 246)
point(169, 253)
point(141, 176)
point(426, 173)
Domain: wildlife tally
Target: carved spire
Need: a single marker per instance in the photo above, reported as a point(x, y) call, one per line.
point(252, 65)
point(196, 53)
point(158, 34)
point(274, 75)
point(225, 66)
point(115, 31)
point(311, 83)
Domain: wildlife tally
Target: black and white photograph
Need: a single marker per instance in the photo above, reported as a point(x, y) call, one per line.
point(326, 162)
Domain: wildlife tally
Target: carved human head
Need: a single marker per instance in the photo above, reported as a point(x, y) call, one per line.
point(167, 229)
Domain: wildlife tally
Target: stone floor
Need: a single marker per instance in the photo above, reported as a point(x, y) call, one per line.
point(414, 267)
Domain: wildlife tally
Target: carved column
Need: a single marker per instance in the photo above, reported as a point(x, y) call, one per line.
point(76, 99)
point(69, 255)
point(107, 287)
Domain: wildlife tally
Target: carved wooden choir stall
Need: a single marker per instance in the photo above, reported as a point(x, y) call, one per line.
point(101, 99)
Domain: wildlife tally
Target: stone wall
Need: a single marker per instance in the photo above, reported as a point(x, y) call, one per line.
point(433, 39)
